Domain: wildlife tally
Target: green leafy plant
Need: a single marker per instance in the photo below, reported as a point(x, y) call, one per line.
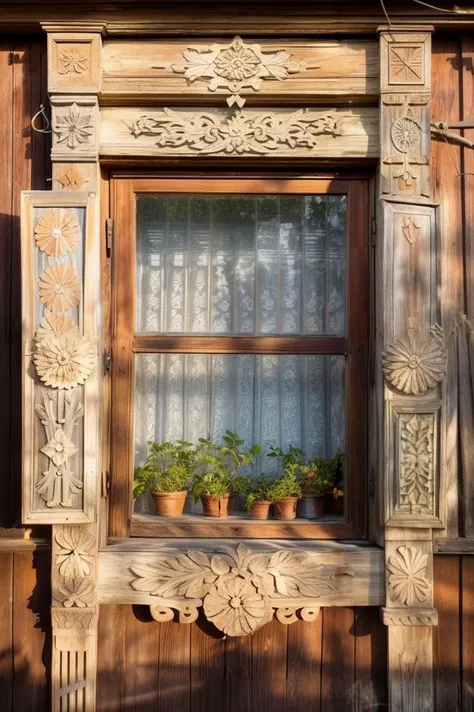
point(167, 468)
point(288, 485)
point(218, 466)
point(325, 475)
point(293, 456)
point(260, 490)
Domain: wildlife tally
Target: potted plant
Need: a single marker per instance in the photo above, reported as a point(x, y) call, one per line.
point(319, 481)
point(217, 475)
point(334, 501)
point(259, 497)
point(285, 493)
point(166, 474)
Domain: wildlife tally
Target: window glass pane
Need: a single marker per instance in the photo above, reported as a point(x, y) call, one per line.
point(241, 264)
point(273, 400)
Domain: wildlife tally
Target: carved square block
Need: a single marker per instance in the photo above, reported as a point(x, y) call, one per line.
point(405, 59)
point(74, 62)
point(405, 64)
point(412, 474)
point(74, 125)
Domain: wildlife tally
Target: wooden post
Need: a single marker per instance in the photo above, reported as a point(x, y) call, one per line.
point(412, 357)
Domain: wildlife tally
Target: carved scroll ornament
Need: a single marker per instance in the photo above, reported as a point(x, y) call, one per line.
point(236, 66)
point(236, 133)
point(414, 366)
point(239, 589)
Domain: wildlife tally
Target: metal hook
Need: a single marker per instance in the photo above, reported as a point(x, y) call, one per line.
point(48, 124)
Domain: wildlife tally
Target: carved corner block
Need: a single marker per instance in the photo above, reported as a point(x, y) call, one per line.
point(409, 573)
point(74, 62)
point(74, 126)
point(405, 59)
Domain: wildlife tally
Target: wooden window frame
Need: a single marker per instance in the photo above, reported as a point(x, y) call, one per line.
point(125, 343)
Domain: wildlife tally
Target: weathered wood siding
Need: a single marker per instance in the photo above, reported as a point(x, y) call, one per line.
point(335, 664)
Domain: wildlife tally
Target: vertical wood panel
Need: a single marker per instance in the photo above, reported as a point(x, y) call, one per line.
point(143, 651)
point(6, 631)
point(370, 660)
point(467, 633)
point(337, 689)
point(446, 571)
point(446, 162)
point(304, 666)
point(238, 674)
point(269, 649)
point(174, 674)
point(207, 670)
point(111, 659)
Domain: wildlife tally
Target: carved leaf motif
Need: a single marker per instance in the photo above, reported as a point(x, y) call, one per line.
point(71, 618)
point(57, 232)
point(416, 471)
point(78, 593)
point(407, 576)
point(56, 325)
point(175, 576)
point(236, 66)
point(74, 558)
point(71, 180)
point(238, 133)
point(413, 366)
point(72, 60)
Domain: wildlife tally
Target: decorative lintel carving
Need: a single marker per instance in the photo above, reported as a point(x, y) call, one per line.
point(238, 589)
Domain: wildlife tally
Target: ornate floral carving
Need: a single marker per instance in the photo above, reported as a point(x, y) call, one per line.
point(59, 287)
point(236, 66)
point(407, 581)
point(75, 556)
point(406, 132)
point(238, 133)
point(62, 618)
point(79, 593)
point(56, 325)
point(57, 232)
point(416, 463)
point(74, 128)
point(64, 361)
point(72, 60)
point(71, 180)
point(410, 229)
point(413, 366)
point(58, 483)
point(406, 64)
point(239, 588)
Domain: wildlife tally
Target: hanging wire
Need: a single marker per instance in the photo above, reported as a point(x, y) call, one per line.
point(386, 14)
point(47, 121)
point(439, 9)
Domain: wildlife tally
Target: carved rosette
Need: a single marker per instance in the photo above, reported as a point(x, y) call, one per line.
point(413, 366)
point(239, 590)
point(237, 133)
point(408, 583)
point(74, 127)
point(236, 67)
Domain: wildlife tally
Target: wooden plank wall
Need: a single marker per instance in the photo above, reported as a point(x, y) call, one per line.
point(337, 663)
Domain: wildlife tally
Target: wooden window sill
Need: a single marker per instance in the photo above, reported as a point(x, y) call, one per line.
point(240, 527)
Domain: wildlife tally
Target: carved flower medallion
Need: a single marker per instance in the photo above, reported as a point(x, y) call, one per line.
point(235, 607)
point(413, 366)
point(237, 63)
point(64, 361)
point(57, 232)
point(406, 133)
point(407, 580)
point(59, 448)
point(56, 325)
point(75, 557)
point(74, 128)
point(59, 288)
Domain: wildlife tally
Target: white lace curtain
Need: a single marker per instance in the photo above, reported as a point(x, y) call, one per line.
point(241, 265)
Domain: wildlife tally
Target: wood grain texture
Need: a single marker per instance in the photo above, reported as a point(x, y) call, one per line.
point(337, 683)
point(370, 660)
point(269, 662)
point(467, 633)
point(303, 682)
point(208, 669)
point(111, 659)
point(446, 636)
point(6, 631)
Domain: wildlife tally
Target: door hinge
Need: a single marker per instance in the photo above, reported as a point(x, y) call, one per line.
point(109, 236)
point(107, 361)
point(106, 483)
point(374, 232)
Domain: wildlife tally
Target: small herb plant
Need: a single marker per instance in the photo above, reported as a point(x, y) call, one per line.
point(293, 456)
point(287, 485)
point(218, 466)
point(260, 490)
point(167, 468)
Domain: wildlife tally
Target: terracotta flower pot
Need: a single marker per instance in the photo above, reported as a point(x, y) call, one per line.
point(286, 508)
point(169, 504)
point(230, 503)
point(259, 510)
point(318, 501)
point(215, 506)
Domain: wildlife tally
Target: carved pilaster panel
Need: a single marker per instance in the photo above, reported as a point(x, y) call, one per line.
point(60, 350)
point(410, 660)
point(74, 62)
point(74, 125)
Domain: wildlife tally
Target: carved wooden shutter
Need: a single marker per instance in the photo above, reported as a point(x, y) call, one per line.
point(60, 291)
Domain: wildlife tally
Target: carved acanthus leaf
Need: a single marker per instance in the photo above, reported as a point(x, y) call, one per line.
point(414, 366)
point(236, 66)
point(239, 588)
point(237, 133)
point(416, 464)
point(72, 618)
point(407, 580)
